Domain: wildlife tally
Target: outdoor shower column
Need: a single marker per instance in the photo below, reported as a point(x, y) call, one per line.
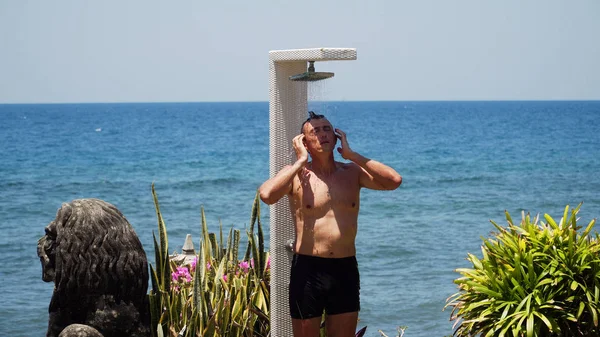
point(288, 109)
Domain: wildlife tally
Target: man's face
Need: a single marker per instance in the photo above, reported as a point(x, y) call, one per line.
point(319, 136)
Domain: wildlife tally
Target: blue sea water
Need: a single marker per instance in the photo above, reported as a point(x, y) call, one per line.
point(463, 163)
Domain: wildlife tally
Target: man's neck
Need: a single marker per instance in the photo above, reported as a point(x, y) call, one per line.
point(323, 164)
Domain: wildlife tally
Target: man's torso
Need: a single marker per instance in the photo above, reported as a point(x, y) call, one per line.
point(325, 210)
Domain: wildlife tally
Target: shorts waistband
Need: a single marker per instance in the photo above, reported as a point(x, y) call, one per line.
point(320, 258)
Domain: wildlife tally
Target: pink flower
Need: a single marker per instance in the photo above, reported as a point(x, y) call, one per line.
point(244, 265)
point(269, 263)
point(207, 265)
point(193, 264)
point(181, 274)
point(225, 278)
point(174, 276)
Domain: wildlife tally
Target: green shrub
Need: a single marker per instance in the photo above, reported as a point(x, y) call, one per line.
point(534, 279)
point(216, 296)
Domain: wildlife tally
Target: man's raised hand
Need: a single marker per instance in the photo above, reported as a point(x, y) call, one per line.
point(345, 149)
point(301, 152)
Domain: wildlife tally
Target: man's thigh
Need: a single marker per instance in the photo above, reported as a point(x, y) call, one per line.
point(306, 327)
point(341, 325)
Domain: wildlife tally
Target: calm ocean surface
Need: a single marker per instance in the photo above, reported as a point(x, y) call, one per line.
point(463, 163)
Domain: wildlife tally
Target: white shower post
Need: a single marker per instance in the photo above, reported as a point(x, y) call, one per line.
point(288, 105)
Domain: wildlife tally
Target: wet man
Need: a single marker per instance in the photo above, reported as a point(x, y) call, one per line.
point(324, 200)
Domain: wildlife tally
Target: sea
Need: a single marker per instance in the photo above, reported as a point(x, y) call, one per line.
point(463, 164)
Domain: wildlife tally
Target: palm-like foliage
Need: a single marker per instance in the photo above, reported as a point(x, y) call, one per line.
point(219, 295)
point(534, 279)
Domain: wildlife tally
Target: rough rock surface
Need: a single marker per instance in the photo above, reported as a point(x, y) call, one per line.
point(79, 330)
point(99, 269)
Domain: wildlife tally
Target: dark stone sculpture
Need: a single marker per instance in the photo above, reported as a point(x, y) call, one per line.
point(99, 269)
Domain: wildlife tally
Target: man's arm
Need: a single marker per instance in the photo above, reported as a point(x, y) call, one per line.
point(281, 184)
point(374, 175)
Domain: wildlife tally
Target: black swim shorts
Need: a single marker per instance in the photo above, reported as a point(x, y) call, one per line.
point(318, 283)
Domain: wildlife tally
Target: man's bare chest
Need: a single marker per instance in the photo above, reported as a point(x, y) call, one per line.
point(316, 192)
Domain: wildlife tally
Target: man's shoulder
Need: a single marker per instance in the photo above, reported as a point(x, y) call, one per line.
point(350, 167)
point(345, 165)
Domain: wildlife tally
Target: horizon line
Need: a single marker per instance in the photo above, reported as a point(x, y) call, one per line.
point(316, 101)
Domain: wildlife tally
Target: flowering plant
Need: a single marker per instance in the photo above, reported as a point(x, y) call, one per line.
point(216, 294)
point(183, 275)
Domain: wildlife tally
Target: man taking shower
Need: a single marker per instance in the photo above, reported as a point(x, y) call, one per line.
point(324, 200)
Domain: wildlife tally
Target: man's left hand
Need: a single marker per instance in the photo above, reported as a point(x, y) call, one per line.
point(345, 149)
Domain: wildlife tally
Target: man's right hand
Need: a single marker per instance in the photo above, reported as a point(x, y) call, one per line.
point(281, 184)
point(301, 152)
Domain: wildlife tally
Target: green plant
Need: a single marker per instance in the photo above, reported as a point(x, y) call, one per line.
point(216, 296)
point(534, 279)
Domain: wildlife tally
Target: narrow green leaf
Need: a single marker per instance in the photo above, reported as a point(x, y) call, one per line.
point(508, 218)
point(158, 260)
point(220, 241)
point(212, 237)
point(551, 221)
point(574, 285)
point(476, 262)
point(229, 254)
point(162, 229)
point(236, 244)
point(580, 311)
point(197, 287)
point(589, 228)
point(545, 320)
point(594, 314)
point(565, 218)
point(530, 325)
point(261, 243)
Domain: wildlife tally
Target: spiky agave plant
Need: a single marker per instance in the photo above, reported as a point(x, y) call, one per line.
point(218, 295)
point(534, 279)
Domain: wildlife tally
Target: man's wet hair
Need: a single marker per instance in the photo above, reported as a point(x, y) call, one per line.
point(311, 115)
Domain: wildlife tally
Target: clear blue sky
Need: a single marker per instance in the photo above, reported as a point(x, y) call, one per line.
point(151, 51)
